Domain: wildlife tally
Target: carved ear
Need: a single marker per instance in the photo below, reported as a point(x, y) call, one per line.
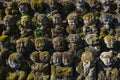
point(69, 45)
point(51, 60)
point(68, 39)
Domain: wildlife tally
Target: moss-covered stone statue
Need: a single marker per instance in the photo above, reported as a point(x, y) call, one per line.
point(75, 45)
point(109, 43)
point(12, 9)
point(59, 44)
point(24, 8)
point(25, 27)
point(108, 6)
point(90, 26)
point(93, 44)
point(18, 67)
point(68, 7)
point(74, 26)
point(10, 28)
point(82, 7)
point(55, 5)
point(24, 46)
point(58, 26)
point(107, 25)
point(43, 28)
point(61, 67)
point(40, 67)
point(107, 69)
point(87, 67)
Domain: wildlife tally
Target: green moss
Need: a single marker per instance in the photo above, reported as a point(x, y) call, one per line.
point(23, 3)
point(4, 38)
point(38, 4)
point(88, 16)
point(25, 18)
point(72, 15)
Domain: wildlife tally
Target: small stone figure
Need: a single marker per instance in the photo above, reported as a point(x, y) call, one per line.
point(12, 9)
point(59, 44)
point(87, 67)
point(55, 5)
point(82, 7)
point(24, 46)
point(110, 43)
point(93, 43)
point(43, 28)
point(58, 71)
point(11, 29)
point(25, 27)
point(108, 6)
point(76, 47)
point(24, 8)
point(18, 67)
point(106, 27)
point(40, 67)
point(73, 23)
point(68, 7)
point(42, 44)
point(107, 70)
point(58, 26)
point(89, 24)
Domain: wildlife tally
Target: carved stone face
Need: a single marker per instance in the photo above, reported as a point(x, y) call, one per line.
point(106, 4)
point(42, 21)
point(106, 19)
point(88, 61)
point(44, 57)
point(66, 59)
point(75, 42)
point(107, 58)
point(57, 19)
point(92, 39)
point(72, 21)
point(23, 45)
point(25, 21)
point(89, 19)
point(23, 9)
point(59, 44)
point(57, 59)
point(14, 61)
point(34, 57)
point(80, 6)
point(109, 41)
point(9, 22)
point(41, 44)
